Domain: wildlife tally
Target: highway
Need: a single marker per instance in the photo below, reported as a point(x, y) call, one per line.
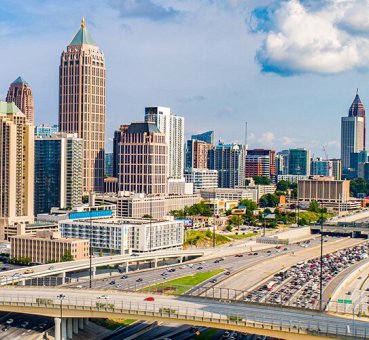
point(257, 274)
point(186, 308)
point(233, 264)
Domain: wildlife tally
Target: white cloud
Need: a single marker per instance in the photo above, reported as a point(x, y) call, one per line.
point(309, 36)
point(266, 139)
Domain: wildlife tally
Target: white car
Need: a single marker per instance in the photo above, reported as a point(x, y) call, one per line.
point(103, 297)
point(9, 321)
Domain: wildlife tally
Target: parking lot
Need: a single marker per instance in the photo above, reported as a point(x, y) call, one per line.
point(300, 285)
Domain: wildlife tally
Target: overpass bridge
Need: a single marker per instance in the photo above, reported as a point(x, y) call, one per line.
point(62, 268)
point(346, 229)
point(263, 320)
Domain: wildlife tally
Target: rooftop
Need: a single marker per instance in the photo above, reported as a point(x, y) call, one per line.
point(82, 37)
point(20, 80)
point(8, 108)
point(142, 128)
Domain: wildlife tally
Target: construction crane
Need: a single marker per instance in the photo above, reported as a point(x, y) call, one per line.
point(327, 158)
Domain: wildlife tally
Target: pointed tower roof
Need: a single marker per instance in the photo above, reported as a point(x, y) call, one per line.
point(82, 37)
point(20, 80)
point(357, 107)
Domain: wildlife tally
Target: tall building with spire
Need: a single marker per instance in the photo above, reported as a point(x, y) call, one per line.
point(82, 103)
point(21, 94)
point(353, 131)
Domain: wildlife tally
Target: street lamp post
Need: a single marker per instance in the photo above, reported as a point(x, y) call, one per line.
point(61, 297)
point(90, 236)
point(321, 262)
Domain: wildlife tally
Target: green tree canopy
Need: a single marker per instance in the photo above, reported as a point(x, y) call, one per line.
point(250, 206)
point(262, 180)
point(358, 185)
point(283, 185)
point(269, 200)
point(67, 256)
point(236, 220)
point(314, 206)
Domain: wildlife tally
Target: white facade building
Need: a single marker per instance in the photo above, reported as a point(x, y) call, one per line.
point(202, 178)
point(123, 236)
point(173, 127)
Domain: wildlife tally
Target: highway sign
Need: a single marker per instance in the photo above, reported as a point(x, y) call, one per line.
point(347, 302)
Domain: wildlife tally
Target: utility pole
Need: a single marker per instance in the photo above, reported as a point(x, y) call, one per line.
point(321, 262)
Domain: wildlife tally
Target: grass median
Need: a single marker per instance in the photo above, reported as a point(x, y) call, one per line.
point(181, 285)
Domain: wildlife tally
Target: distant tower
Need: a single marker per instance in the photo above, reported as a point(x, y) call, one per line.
point(82, 103)
point(173, 127)
point(353, 131)
point(21, 94)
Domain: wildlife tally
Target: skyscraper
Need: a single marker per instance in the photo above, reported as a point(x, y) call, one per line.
point(44, 130)
point(320, 167)
point(260, 162)
point(207, 137)
point(197, 154)
point(21, 94)
point(143, 159)
point(82, 103)
point(353, 131)
point(299, 162)
point(58, 172)
point(173, 128)
point(229, 160)
point(17, 169)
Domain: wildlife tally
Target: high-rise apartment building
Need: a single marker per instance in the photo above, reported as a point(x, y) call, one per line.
point(143, 159)
point(197, 154)
point(320, 167)
point(336, 168)
point(229, 160)
point(173, 128)
point(353, 131)
point(260, 162)
point(207, 137)
point(118, 135)
point(281, 162)
point(17, 168)
point(82, 103)
point(21, 94)
point(58, 172)
point(44, 130)
point(299, 162)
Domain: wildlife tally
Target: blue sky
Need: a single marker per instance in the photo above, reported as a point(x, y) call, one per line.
point(288, 68)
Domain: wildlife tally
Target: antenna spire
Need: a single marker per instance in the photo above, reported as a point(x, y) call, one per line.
point(83, 23)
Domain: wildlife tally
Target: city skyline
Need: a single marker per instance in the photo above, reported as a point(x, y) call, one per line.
point(209, 71)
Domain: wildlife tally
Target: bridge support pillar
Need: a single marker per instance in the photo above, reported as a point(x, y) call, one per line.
point(93, 272)
point(181, 259)
point(75, 325)
point(127, 267)
point(70, 328)
point(80, 323)
point(156, 262)
point(22, 283)
point(63, 275)
point(57, 322)
point(64, 329)
point(86, 321)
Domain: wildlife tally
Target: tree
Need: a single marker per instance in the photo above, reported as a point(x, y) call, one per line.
point(235, 220)
point(269, 200)
point(250, 205)
point(146, 216)
point(283, 185)
point(85, 199)
point(229, 227)
point(67, 256)
point(358, 185)
point(314, 206)
point(262, 180)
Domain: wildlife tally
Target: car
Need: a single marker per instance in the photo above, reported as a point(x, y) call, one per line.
point(9, 321)
point(4, 268)
point(239, 255)
point(112, 282)
point(216, 261)
point(349, 293)
point(285, 249)
point(139, 279)
point(79, 286)
point(199, 268)
point(5, 328)
point(24, 324)
point(124, 277)
point(227, 273)
point(226, 335)
point(250, 254)
point(213, 280)
point(182, 267)
point(134, 254)
point(16, 274)
point(51, 268)
point(28, 271)
point(103, 297)
point(255, 254)
point(269, 252)
point(164, 274)
point(149, 298)
point(42, 325)
point(171, 270)
point(278, 247)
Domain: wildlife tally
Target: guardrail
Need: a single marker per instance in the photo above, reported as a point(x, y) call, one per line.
point(189, 315)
